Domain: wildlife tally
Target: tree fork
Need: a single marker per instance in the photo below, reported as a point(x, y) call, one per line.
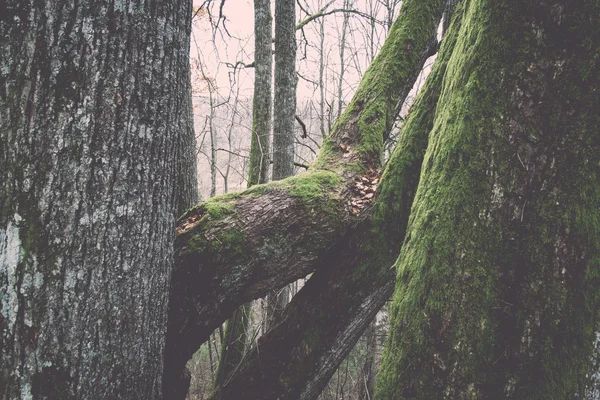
point(324, 320)
point(236, 247)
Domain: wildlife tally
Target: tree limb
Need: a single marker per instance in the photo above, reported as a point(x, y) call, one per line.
point(234, 248)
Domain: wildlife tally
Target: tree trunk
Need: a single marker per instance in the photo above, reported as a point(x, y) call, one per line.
point(285, 89)
point(235, 340)
point(233, 345)
point(95, 128)
point(261, 106)
point(342, 45)
point(497, 287)
point(325, 319)
point(322, 81)
point(366, 382)
point(284, 119)
point(237, 247)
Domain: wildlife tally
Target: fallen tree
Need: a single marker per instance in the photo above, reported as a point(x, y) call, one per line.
point(237, 247)
point(296, 359)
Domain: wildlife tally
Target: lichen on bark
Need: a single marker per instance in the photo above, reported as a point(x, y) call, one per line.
point(90, 153)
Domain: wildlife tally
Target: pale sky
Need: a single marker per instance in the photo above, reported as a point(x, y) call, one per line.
point(217, 51)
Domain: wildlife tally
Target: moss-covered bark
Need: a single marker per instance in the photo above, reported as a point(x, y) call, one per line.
point(366, 122)
point(237, 247)
point(323, 321)
point(212, 277)
point(284, 230)
point(496, 294)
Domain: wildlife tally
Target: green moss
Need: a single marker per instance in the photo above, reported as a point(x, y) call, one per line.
point(313, 184)
point(218, 208)
point(480, 310)
point(307, 187)
point(369, 116)
point(227, 246)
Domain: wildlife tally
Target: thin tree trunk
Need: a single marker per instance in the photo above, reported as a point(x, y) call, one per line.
point(213, 145)
point(284, 117)
point(234, 341)
point(285, 89)
point(234, 344)
point(367, 371)
point(95, 134)
point(347, 5)
point(322, 82)
point(261, 108)
point(234, 113)
point(497, 286)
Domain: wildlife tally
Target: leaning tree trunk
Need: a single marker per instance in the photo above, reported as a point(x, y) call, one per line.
point(94, 116)
point(497, 287)
point(325, 319)
point(238, 247)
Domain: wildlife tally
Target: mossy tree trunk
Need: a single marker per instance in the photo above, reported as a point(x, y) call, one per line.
point(238, 247)
point(497, 286)
point(95, 132)
point(325, 319)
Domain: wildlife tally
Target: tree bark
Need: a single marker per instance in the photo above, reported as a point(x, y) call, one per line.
point(325, 319)
point(261, 106)
point(95, 128)
point(285, 89)
point(235, 248)
point(497, 287)
point(234, 342)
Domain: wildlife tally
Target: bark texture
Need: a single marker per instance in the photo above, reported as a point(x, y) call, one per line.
point(285, 89)
point(234, 341)
point(496, 294)
point(238, 247)
point(261, 106)
point(325, 319)
point(94, 117)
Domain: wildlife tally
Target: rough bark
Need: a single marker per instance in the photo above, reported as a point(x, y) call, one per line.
point(284, 109)
point(261, 106)
point(325, 319)
point(238, 247)
point(497, 287)
point(94, 115)
point(284, 119)
point(187, 176)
